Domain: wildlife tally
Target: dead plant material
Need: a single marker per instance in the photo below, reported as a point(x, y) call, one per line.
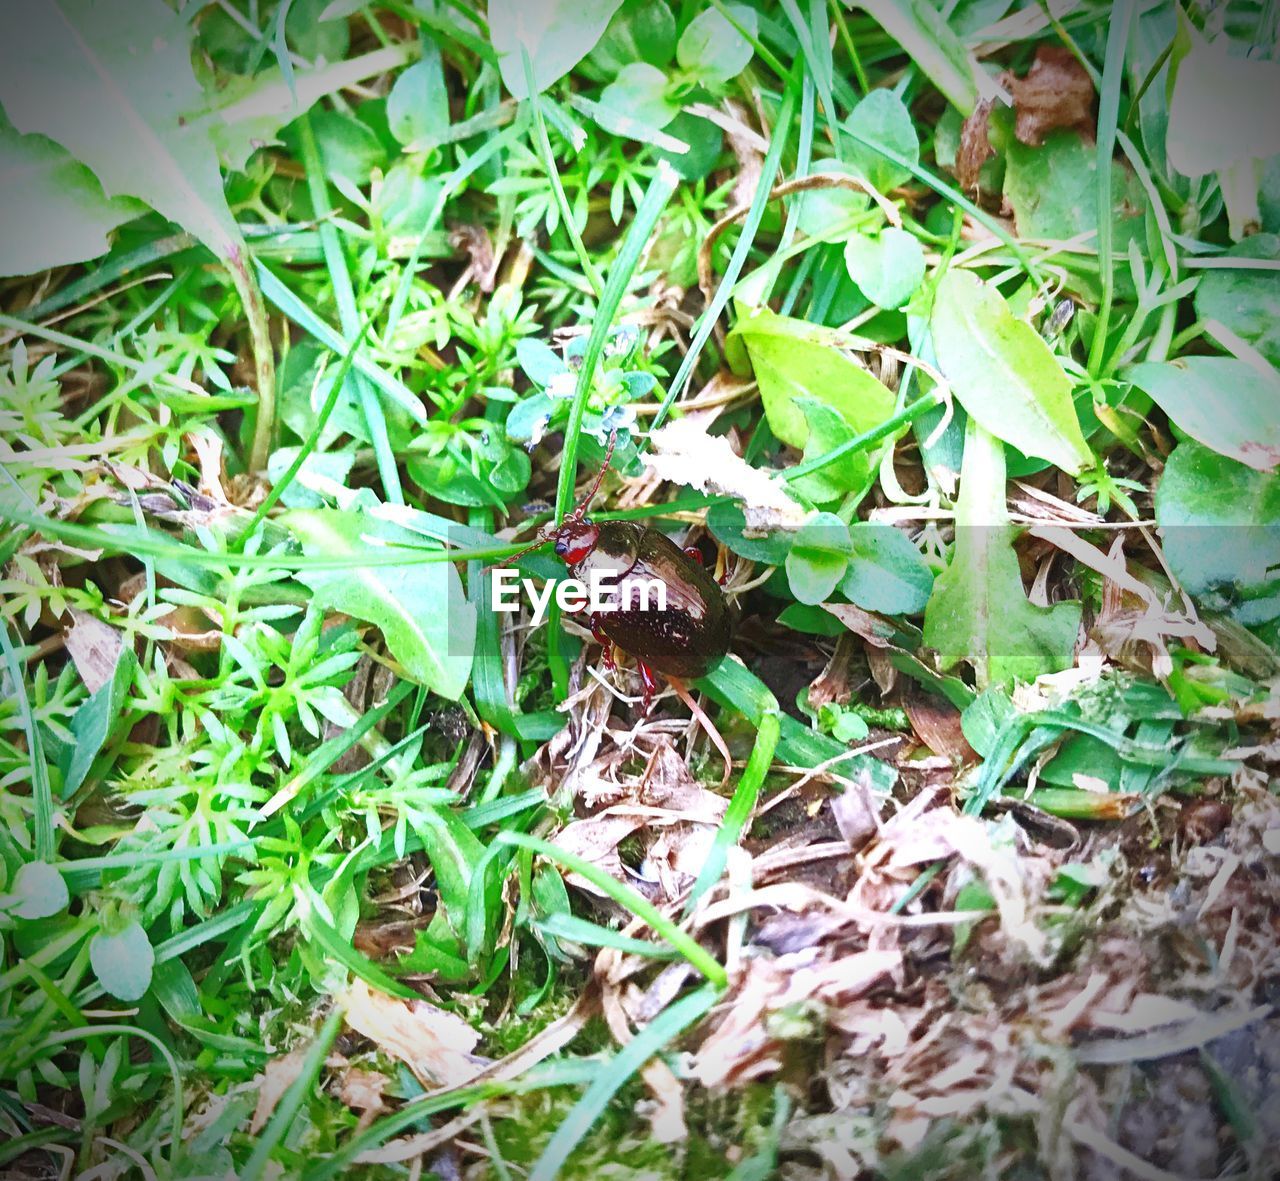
point(95, 648)
point(1056, 92)
point(436, 1045)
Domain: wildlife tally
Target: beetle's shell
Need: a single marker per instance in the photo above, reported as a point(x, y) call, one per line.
point(686, 640)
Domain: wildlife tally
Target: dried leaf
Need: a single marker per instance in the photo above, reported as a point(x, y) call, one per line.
point(95, 648)
point(482, 266)
point(975, 146)
point(857, 811)
point(1056, 92)
point(272, 1083)
point(684, 453)
point(434, 1044)
point(937, 724)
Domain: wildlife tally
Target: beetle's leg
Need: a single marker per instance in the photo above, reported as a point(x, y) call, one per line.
point(650, 684)
point(606, 644)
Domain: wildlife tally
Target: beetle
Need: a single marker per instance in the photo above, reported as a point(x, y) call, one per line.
point(685, 639)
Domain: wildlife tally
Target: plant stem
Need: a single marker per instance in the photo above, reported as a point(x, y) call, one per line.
point(264, 361)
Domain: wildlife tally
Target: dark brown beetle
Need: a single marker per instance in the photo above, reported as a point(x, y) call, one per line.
point(683, 641)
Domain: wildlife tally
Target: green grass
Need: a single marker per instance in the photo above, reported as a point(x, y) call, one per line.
point(262, 732)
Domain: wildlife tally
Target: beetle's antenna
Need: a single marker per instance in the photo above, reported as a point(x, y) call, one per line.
point(581, 511)
point(544, 535)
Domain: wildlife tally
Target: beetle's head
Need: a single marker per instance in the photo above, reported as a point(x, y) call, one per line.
point(575, 539)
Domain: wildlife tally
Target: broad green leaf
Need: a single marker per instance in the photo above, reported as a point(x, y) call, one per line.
point(882, 117)
point(639, 92)
point(922, 31)
point(795, 359)
point(704, 140)
point(245, 114)
point(55, 211)
point(318, 465)
point(39, 892)
point(94, 722)
point(420, 607)
point(455, 853)
point(979, 611)
point(110, 80)
point(1220, 530)
point(1226, 404)
point(712, 49)
point(1052, 189)
point(727, 524)
point(1246, 301)
point(887, 268)
point(556, 34)
point(418, 105)
point(123, 962)
point(827, 431)
point(1004, 374)
point(818, 557)
point(886, 572)
point(452, 481)
point(640, 31)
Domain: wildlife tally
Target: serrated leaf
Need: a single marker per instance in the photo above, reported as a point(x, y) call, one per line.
point(556, 34)
point(979, 611)
point(109, 80)
point(795, 359)
point(1004, 374)
point(887, 268)
point(420, 607)
point(886, 572)
point(55, 210)
point(40, 892)
point(1226, 404)
point(123, 962)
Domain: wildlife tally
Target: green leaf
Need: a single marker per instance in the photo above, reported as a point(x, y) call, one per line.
point(110, 81)
point(922, 31)
point(818, 557)
point(326, 465)
point(556, 34)
point(795, 359)
point(455, 853)
point(418, 105)
point(887, 268)
point(1052, 189)
point(1004, 374)
point(123, 962)
point(1247, 302)
point(1220, 530)
point(638, 92)
point(55, 202)
point(640, 31)
point(245, 114)
point(882, 117)
point(420, 607)
point(727, 524)
point(827, 431)
point(1226, 404)
point(40, 890)
point(979, 611)
point(712, 49)
point(93, 723)
point(886, 572)
point(704, 139)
